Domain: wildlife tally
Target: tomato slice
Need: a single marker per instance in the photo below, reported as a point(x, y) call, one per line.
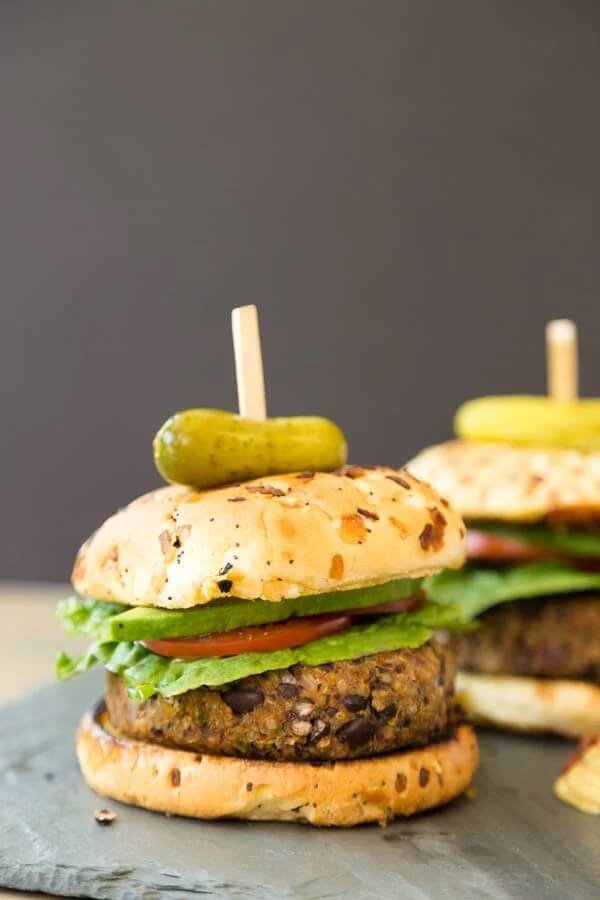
point(253, 639)
point(493, 547)
point(393, 606)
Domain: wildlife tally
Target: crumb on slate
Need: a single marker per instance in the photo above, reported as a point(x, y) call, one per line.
point(105, 816)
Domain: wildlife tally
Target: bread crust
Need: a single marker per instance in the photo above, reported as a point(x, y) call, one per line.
point(557, 706)
point(579, 782)
point(275, 537)
point(178, 782)
point(517, 484)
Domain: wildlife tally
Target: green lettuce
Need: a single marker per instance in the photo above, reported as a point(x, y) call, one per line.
point(144, 623)
point(146, 674)
point(475, 589)
point(564, 541)
point(81, 615)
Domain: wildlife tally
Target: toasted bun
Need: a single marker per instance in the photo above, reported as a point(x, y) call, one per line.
point(519, 484)
point(273, 538)
point(569, 708)
point(181, 783)
point(579, 782)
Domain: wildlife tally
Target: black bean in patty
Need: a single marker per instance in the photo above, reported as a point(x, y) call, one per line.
point(242, 700)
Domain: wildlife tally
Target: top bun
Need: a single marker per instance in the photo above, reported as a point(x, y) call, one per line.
point(514, 484)
point(273, 538)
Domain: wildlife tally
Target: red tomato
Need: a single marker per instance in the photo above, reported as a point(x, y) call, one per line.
point(493, 547)
point(253, 639)
point(394, 606)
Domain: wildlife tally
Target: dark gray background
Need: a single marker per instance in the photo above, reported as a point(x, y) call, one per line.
point(408, 190)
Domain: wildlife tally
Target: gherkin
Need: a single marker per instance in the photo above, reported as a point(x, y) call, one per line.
point(531, 422)
point(203, 448)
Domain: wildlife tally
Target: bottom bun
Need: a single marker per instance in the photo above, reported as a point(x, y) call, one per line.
point(569, 708)
point(345, 793)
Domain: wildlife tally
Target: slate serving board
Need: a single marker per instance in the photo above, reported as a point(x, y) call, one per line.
point(513, 840)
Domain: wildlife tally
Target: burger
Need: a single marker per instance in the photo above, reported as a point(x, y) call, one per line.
point(532, 580)
point(269, 651)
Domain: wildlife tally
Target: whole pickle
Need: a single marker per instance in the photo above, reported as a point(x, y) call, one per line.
point(531, 422)
point(203, 448)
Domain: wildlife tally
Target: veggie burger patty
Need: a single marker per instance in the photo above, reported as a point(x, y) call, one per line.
point(555, 637)
point(340, 710)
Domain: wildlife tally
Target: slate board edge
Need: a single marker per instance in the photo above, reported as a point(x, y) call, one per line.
point(101, 884)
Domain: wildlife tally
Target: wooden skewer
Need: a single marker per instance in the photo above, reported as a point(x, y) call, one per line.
point(248, 363)
point(561, 360)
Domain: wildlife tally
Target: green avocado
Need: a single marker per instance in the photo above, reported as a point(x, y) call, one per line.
point(142, 623)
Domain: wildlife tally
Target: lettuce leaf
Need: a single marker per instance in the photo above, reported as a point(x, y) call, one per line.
point(146, 674)
point(475, 589)
point(81, 615)
point(566, 541)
